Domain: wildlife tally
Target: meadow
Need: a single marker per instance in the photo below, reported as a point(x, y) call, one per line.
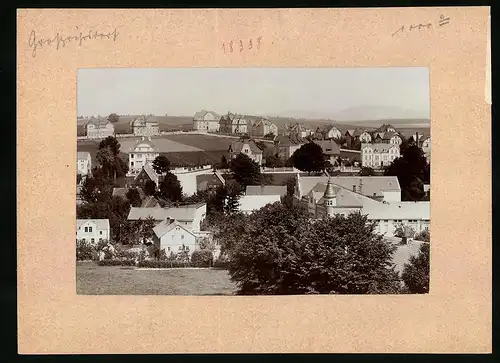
point(92, 279)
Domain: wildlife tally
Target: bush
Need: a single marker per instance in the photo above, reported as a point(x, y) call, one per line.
point(423, 236)
point(221, 263)
point(127, 255)
point(116, 263)
point(163, 264)
point(85, 251)
point(202, 258)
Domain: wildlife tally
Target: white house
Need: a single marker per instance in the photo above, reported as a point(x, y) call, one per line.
point(188, 216)
point(378, 155)
point(93, 230)
point(206, 121)
point(330, 200)
point(142, 153)
point(172, 236)
point(83, 163)
point(327, 132)
point(247, 147)
point(143, 126)
point(99, 128)
point(365, 137)
point(188, 177)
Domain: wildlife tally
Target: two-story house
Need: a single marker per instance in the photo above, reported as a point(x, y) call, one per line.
point(233, 124)
point(206, 121)
point(330, 148)
point(392, 138)
point(327, 132)
point(99, 128)
point(145, 126)
point(177, 228)
point(286, 145)
point(247, 147)
point(93, 230)
point(298, 130)
point(262, 127)
point(377, 156)
point(142, 153)
point(83, 163)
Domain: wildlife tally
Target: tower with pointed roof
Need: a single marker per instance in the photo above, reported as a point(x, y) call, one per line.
point(329, 198)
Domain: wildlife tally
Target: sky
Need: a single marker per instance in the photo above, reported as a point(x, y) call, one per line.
point(321, 92)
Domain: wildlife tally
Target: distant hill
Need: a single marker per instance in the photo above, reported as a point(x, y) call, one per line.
point(354, 114)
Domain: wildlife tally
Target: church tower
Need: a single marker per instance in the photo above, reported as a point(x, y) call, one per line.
point(329, 198)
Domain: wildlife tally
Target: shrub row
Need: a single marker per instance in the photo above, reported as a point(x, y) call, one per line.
point(163, 264)
point(116, 263)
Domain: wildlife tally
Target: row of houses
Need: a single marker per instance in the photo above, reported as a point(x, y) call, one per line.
point(232, 123)
point(378, 197)
point(97, 127)
point(176, 228)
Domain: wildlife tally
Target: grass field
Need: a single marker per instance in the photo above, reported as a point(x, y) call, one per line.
point(205, 142)
point(92, 279)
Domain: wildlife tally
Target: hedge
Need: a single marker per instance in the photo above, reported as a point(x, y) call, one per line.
point(202, 258)
point(116, 263)
point(163, 264)
point(221, 264)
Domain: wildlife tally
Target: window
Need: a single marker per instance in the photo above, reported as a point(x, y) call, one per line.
point(132, 156)
point(131, 163)
point(100, 232)
point(86, 229)
point(90, 229)
point(182, 236)
point(83, 240)
point(168, 248)
point(100, 239)
point(385, 220)
point(92, 240)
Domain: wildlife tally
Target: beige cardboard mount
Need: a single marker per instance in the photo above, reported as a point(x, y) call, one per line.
point(454, 317)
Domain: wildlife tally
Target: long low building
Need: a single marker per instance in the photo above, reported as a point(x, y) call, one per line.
point(329, 199)
point(382, 188)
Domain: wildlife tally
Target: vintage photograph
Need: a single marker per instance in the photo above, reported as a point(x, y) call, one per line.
point(253, 181)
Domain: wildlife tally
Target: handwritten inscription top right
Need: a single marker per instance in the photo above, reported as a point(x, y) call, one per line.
point(441, 22)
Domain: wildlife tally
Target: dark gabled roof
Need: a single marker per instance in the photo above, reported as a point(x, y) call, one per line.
point(329, 147)
point(288, 140)
point(237, 146)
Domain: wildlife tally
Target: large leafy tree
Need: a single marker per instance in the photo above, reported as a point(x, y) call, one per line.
point(245, 170)
point(416, 273)
point(113, 118)
point(161, 165)
point(170, 188)
point(109, 160)
point(134, 197)
point(309, 157)
point(339, 255)
point(412, 171)
point(149, 187)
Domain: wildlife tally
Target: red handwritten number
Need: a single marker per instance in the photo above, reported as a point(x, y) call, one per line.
point(241, 45)
point(258, 42)
point(250, 44)
point(231, 46)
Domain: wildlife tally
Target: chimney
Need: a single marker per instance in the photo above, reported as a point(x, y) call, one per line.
point(418, 141)
point(354, 187)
